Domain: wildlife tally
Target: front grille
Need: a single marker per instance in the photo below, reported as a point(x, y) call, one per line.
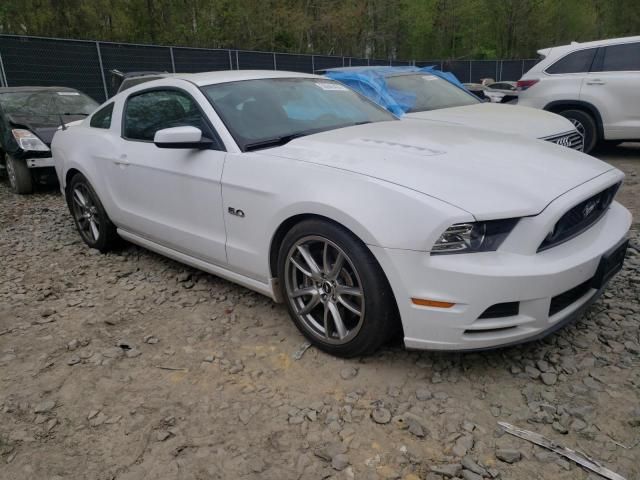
point(579, 218)
point(562, 301)
point(570, 140)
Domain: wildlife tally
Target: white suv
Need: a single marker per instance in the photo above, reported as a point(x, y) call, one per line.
point(595, 85)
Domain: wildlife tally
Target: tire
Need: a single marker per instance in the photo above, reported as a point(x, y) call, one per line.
point(585, 124)
point(610, 143)
point(335, 290)
point(20, 178)
point(90, 217)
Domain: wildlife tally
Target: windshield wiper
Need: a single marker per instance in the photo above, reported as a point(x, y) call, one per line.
point(80, 113)
point(279, 141)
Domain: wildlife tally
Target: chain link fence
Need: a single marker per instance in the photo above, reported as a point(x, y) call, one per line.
point(85, 65)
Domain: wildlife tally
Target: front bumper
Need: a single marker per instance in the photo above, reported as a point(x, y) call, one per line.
point(477, 281)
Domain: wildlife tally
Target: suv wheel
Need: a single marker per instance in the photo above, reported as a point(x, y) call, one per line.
point(585, 124)
point(19, 175)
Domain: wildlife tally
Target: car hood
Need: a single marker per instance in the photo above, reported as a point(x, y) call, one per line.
point(44, 126)
point(531, 122)
point(486, 174)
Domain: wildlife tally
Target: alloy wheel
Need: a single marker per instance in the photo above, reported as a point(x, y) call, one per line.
point(86, 213)
point(324, 289)
point(579, 126)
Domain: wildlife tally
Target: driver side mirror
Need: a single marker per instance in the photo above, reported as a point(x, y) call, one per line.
point(181, 137)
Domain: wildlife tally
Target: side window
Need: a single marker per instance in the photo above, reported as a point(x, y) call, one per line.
point(102, 118)
point(576, 62)
point(620, 58)
point(148, 112)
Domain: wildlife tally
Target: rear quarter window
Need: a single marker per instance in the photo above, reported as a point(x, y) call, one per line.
point(102, 118)
point(576, 62)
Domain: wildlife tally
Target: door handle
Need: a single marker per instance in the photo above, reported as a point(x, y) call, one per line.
point(122, 160)
point(595, 81)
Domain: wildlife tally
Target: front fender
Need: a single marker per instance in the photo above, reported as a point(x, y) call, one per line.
point(271, 190)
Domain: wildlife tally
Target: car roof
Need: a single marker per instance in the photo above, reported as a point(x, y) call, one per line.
point(224, 76)
point(36, 89)
point(582, 45)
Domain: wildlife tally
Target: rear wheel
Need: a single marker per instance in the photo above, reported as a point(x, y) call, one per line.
point(585, 124)
point(19, 175)
point(89, 215)
point(336, 292)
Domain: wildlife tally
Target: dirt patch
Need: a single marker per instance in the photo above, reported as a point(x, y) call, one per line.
point(130, 366)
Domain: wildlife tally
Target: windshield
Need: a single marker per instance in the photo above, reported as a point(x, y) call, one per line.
point(45, 103)
point(269, 112)
point(428, 92)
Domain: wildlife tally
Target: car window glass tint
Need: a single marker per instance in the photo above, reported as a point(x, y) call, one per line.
point(148, 112)
point(620, 58)
point(102, 118)
point(576, 62)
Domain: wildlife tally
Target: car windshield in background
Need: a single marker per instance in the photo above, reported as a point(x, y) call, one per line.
point(270, 112)
point(46, 103)
point(428, 92)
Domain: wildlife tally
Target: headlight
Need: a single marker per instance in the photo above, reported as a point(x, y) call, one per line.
point(28, 141)
point(474, 237)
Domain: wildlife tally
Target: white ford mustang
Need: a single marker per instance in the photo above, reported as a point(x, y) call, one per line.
point(297, 187)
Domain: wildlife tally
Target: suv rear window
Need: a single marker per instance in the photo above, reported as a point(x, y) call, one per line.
point(619, 58)
point(576, 62)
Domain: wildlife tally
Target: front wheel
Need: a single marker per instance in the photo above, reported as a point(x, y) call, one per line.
point(586, 126)
point(336, 292)
point(19, 175)
point(89, 215)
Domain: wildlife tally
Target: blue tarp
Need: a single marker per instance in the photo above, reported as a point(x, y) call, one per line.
point(372, 84)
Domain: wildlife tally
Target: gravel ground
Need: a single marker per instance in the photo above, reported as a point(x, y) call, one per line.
point(131, 366)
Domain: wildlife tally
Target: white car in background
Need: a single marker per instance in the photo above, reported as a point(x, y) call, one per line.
point(501, 92)
point(421, 94)
point(298, 188)
point(594, 84)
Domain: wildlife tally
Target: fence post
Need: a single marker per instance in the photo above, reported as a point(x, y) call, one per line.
point(470, 76)
point(275, 64)
point(496, 77)
point(3, 74)
point(104, 82)
point(237, 61)
point(313, 64)
point(173, 63)
point(522, 70)
point(230, 60)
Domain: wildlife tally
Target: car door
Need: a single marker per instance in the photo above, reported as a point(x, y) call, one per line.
point(564, 78)
point(612, 87)
point(171, 196)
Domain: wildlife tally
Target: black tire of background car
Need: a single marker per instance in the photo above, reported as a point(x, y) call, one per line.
point(108, 238)
point(381, 321)
point(22, 181)
point(588, 124)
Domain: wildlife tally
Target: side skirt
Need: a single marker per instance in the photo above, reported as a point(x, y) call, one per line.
point(270, 289)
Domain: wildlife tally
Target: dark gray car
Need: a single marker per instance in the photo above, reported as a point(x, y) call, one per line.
point(29, 117)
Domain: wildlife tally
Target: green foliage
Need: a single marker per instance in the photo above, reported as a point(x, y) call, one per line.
point(404, 29)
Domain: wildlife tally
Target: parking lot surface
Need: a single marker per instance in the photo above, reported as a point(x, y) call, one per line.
point(130, 366)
